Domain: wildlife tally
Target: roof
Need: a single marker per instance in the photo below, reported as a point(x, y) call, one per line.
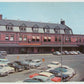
point(46, 74)
point(36, 60)
point(54, 62)
point(44, 78)
point(31, 24)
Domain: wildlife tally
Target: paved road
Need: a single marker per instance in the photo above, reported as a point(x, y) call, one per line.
point(74, 61)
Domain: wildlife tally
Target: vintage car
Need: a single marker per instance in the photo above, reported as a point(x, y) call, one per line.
point(16, 66)
point(35, 63)
point(54, 64)
point(48, 75)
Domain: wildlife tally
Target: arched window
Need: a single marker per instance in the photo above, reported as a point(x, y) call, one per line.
point(57, 30)
point(22, 28)
point(46, 29)
point(35, 28)
point(9, 27)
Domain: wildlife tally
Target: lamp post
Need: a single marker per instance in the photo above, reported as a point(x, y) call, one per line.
point(61, 57)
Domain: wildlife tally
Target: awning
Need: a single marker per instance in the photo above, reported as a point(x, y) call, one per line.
point(45, 37)
point(33, 37)
point(49, 37)
point(38, 37)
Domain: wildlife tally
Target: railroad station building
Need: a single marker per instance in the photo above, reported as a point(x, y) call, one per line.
point(18, 36)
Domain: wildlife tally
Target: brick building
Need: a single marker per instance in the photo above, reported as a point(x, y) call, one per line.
point(37, 37)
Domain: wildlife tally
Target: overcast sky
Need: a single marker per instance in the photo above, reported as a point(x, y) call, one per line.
point(71, 12)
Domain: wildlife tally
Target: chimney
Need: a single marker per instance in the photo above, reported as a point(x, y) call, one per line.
point(0, 17)
point(62, 22)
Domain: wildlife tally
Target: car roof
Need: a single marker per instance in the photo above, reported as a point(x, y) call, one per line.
point(54, 62)
point(44, 78)
point(46, 74)
point(4, 59)
point(36, 60)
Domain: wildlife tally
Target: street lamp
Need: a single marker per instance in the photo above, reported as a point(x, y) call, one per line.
point(61, 57)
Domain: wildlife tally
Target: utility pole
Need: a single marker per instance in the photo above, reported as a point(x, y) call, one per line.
point(61, 56)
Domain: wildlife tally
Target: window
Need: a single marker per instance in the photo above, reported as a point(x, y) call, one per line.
point(20, 38)
point(49, 39)
point(35, 28)
point(37, 39)
point(46, 29)
point(29, 41)
point(22, 28)
point(12, 38)
point(9, 27)
point(79, 39)
point(45, 39)
point(56, 39)
point(56, 31)
point(7, 37)
point(59, 39)
point(25, 38)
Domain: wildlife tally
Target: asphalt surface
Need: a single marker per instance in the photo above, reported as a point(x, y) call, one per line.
point(74, 61)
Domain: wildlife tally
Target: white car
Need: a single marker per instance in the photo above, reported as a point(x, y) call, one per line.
point(7, 68)
point(54, 64)
point(48, 74)
point(35, 63)
point(49, 68)
point(75, 53)
point(3, 72)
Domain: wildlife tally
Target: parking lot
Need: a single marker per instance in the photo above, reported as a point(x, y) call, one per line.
point(74, 61)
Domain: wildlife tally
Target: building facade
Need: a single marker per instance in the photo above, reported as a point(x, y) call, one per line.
point(37, 37)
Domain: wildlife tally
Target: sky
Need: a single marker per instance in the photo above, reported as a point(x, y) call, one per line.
point(51, 12)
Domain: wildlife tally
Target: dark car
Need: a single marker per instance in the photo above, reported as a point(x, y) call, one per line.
point(23, 63)
point(59, 74)
point(16, 66)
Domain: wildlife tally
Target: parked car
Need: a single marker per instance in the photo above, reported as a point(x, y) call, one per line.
point(56, 53)
point(63, 53)
point(49, 76)
point(3, 54)
point(28, 61)
point(35, 74)
point(75, 53)
point(54, 64)
point(3, 72)
point(49, 68)
point(66, 52)
point(4, 61)
point(64, 70)
point(30, 80)
point(8, 68)
point(71, 53)
point(35, 63)
point(16, 66)
point(23, 63)
point(78, 52)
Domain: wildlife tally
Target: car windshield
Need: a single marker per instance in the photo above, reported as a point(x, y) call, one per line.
point(35, 61)
point(54, 63)
point(61, 69)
